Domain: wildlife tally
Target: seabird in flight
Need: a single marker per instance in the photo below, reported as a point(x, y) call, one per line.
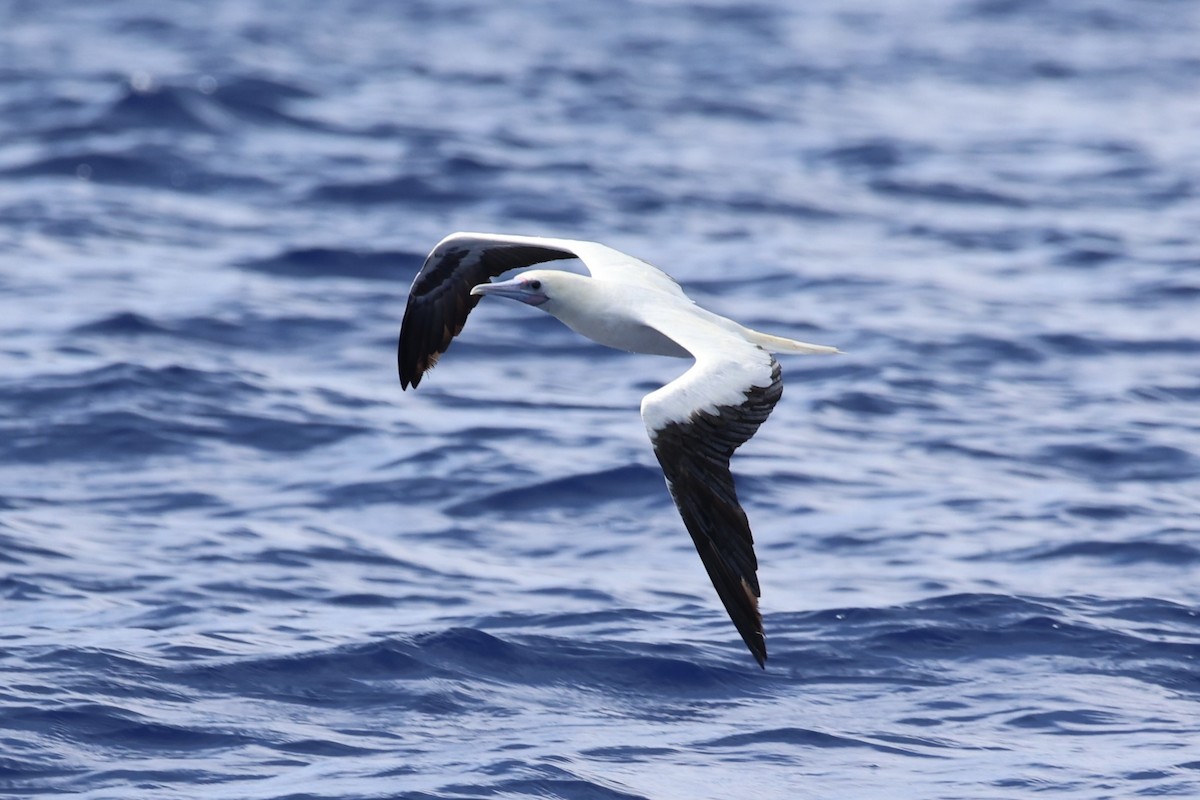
point(695, 422)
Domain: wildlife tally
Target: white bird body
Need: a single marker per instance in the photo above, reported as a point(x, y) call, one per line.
point(608, 313)
point(695, 422)
point(639, 316)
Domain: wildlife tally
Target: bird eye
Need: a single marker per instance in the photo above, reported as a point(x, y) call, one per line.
point(535, 285)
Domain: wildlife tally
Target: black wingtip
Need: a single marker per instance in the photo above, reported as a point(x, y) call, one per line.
point(406, 382)
point(406, 366)
point(758, 649)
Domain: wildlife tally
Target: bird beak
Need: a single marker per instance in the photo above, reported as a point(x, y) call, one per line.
point(515, 289)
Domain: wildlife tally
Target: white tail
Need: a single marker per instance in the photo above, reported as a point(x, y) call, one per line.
point(778, 344)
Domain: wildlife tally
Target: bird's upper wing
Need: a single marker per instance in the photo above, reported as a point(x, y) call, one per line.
point(440, 298)
point(695, 424)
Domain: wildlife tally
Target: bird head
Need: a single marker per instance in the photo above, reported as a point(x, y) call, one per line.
point(531, 287)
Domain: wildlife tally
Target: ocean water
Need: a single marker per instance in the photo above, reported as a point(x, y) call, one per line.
point(239, 562)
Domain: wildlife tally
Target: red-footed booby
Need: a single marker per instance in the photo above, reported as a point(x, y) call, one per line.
point(695, 422)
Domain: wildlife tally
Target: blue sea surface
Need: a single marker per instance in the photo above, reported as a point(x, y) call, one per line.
point(238, 562)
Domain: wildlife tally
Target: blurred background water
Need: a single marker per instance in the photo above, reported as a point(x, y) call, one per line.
point(239, 563)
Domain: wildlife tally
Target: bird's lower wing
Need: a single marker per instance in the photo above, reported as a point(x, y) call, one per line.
point(695, 423)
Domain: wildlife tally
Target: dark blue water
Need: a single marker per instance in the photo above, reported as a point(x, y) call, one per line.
point(238, 562)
